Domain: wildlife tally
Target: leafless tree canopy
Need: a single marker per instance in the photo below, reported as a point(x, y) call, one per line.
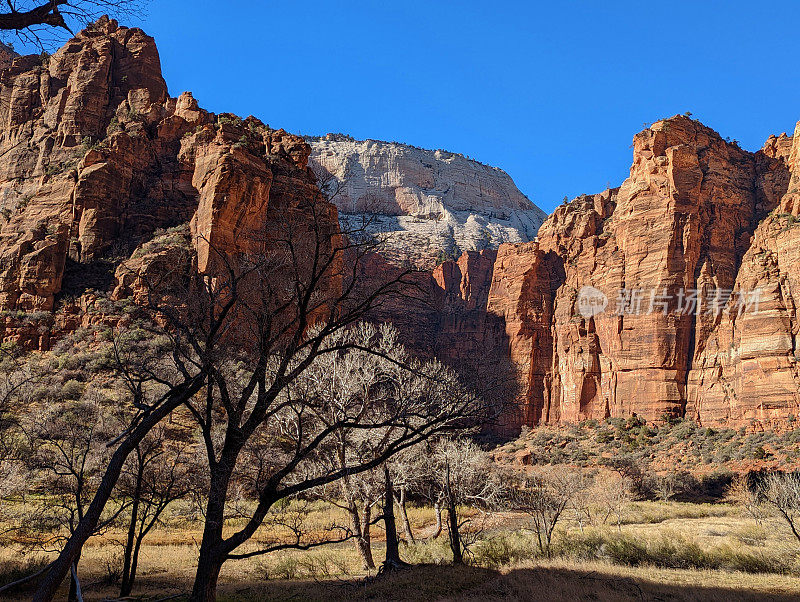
point(46, 23)
point(545, 496)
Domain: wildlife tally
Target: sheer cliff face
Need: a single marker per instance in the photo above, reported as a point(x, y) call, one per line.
point(431, 204)
point(697, 216)
point(747, 369)
point(98, 160)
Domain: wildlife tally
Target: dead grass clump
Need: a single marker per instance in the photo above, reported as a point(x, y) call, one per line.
point(671, 551)
point(503, 550)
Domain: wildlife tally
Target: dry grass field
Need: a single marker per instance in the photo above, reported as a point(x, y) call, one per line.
point(662, 550)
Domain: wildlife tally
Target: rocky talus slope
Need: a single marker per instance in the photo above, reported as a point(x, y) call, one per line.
point(427, 204)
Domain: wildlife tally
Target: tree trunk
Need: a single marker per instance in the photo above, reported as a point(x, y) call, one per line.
point(211, 554)
point(392, 545)
point(401, 504)
point(127, 582)
point(72, 596)
point(205, 581)
point(135, 560)
point(360, 526)
point(366, 538)
point(437, 508)
point(61, 565)
point(452, 523)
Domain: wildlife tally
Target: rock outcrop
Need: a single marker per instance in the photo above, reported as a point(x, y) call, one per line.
point(676, 254)
point(747, 369)
point(107, 182)
point(428, 204)
point(673, 295)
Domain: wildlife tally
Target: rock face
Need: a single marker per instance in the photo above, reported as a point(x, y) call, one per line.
point(431, 204)
point(747, 370)
point(675, 294)
point(103, 171)
point(677, 253)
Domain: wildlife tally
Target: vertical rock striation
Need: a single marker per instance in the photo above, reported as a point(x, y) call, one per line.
point(103, 171)
point(698, 225)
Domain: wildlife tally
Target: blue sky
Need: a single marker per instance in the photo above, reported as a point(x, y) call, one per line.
point(552, 92)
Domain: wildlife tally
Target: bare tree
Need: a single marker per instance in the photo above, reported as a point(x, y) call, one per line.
point(360, 494)
point(242, 333)
point(160, 473)
point(545, 496)
point(408, 474)
point(613, 492)
point(459, 473)
point(580, 503)
point(781, 491)
point(66, 453)
point(744, 492)
point(318, 434)
point(44, 23)
point(15, 378)
point(664, 485)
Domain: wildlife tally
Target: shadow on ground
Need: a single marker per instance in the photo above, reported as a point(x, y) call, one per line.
point(456, 584)
point(476, 584)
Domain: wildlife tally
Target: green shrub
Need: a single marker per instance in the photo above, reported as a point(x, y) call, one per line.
point(72, 389)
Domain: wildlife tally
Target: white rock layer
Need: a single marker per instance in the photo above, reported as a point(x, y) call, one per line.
point(428, 204)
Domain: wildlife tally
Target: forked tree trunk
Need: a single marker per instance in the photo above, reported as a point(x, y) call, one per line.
point(401, 504)
point(452, 523)
point(127, 579)
point(360, 525)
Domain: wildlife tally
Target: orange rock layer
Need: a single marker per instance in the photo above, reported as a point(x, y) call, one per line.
point(107, 181)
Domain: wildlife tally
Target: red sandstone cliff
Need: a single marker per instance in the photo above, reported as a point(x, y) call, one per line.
point(107, 181)
point(698, 215)
point(98, 160)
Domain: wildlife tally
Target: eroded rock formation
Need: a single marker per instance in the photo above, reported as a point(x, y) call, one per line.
point(107, 182)
point(698, 226)
point(103, 174)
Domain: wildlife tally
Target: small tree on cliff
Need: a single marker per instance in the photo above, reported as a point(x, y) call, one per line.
point(45, 23)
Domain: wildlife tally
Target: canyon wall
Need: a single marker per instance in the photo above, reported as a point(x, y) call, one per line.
point(695, 256)
point(108, 182)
